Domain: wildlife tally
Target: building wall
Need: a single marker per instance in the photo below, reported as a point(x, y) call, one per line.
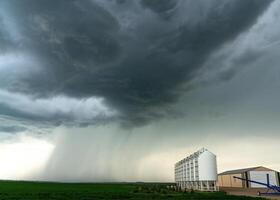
point(258, 174)
point(236, 182)
point(229, 181)
point(261, 176)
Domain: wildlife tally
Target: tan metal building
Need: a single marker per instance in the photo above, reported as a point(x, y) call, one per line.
point(260, 174)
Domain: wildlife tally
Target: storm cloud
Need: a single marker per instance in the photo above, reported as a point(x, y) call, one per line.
point(137, 56)
point(109, 90)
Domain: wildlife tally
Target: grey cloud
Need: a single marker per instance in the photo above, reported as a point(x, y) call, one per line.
point(80, 36)
point(248, 57)
point(55, 110)
point(84, 51)
point(5, 40)
point(165, 8)
point(12, 129)
point(234, 64)
point(121, 1)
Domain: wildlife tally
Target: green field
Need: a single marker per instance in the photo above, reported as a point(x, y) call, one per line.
point(85, 191)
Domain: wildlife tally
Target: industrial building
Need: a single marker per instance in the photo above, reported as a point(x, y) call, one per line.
point(260, 174)
point(197, 171)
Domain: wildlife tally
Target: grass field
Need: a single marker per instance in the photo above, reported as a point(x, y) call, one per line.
point(17, 190)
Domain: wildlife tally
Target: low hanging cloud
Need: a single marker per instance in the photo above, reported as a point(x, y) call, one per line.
point(135, 61)
point(56, 109)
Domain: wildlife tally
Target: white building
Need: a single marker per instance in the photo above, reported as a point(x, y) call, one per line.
point(197, 171)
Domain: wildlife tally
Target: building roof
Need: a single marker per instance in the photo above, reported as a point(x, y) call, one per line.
point(239, 171)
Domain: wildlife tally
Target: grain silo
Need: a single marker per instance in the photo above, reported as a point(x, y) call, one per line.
point(197, 171)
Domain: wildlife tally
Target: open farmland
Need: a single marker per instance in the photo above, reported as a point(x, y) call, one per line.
point(86, 191)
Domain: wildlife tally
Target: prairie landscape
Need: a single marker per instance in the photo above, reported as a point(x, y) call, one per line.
point(21, 190)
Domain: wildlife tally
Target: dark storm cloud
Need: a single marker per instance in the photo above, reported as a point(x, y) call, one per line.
point(165, 8)
point(86, 51)
point(239, 63)
point(5, 40)
point(12, 129)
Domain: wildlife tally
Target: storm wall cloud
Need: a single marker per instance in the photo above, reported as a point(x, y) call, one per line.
point(138, 63)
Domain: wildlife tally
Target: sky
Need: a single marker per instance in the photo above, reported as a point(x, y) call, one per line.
point(120, 90)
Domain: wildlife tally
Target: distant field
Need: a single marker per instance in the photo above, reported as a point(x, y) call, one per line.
point(86, 191)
